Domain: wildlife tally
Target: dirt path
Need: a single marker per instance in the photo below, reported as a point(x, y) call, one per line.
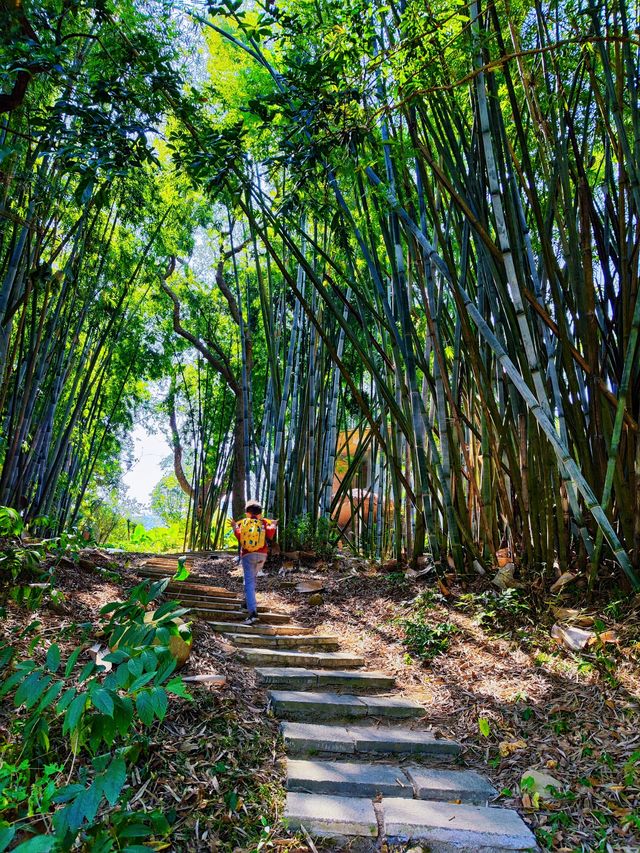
point(544, 708)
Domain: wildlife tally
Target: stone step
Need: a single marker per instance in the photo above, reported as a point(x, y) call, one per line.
point(297, 678)
point(301, 738)
point(212, 614)
point(321, 660)
point(460, 827)
point(296, 642)
point(298, 705)
point(445, 827)
point(331, 816)
point(259, 629)
point(347, 778)
point(446, 785)
point(359, 779)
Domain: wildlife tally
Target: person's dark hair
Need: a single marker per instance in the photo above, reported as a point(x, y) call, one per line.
point(253, 507)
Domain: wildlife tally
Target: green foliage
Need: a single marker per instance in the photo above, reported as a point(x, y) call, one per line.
point(301, 534)
point(99, 715)
point(483, 726)
point(497, 612)
point(155, 539)
point(168, 500)
point(427, 641)
point(11, 523)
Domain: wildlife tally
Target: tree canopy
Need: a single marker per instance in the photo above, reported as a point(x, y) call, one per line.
point(380, 260)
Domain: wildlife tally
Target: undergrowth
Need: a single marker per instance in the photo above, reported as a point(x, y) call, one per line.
point(427, 641)
point(77, 724)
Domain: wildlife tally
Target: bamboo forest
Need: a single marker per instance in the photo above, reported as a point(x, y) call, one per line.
point(335, 304)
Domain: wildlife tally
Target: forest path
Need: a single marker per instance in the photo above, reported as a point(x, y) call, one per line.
point(361, 760)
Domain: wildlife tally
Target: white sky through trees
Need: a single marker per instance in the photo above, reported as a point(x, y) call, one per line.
point(149, 449)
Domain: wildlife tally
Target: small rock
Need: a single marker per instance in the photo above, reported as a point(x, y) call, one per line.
point(541, 783)
point(316, 599)
point(572, 638)
point(563, 580)
point(310, 586)
point(504, 578)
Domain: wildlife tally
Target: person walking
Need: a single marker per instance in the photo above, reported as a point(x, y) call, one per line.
point(253, 532)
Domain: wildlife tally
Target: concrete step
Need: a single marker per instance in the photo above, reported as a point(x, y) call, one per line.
point(297, 678)
point(258, 628)
point(347, 778)
point(466, 828)
point(321, 660)
point(301, 738)
point(331, 816)
point(298, 642)
point(445, 827)
point(212, 614)
point(362, 779)
point(299, 705)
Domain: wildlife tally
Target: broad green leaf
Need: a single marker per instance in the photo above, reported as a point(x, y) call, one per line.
point(65, 700)
point(6, 653)
point(483, 725)
point(53, 658)
point(114, 779)
point(178, 688)
point(144, 707)
point(73, 658)
point(74, 713)
point(38, 844)
point(29, 686)
point(159, 702)
point(144, 679)
point(6, 836)
point(102, 700)
point(51, 695)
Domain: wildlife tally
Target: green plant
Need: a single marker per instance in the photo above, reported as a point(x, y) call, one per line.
point(427, 641)
point(301, 534)
point(497, 612)
point(428, 599)
point(11, 524)
point(97, 715)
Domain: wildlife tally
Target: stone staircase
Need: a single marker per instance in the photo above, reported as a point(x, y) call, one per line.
point(355, 767)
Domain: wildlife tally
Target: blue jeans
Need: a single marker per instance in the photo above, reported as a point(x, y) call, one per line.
point(251, 565)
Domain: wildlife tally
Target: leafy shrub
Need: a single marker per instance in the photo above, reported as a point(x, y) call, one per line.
point(300, 534)
point(11, 524)
point(497, 611)
point(99, 717)
point(427, 641)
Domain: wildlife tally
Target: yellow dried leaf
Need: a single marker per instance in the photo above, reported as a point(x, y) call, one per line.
point(507, 748)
